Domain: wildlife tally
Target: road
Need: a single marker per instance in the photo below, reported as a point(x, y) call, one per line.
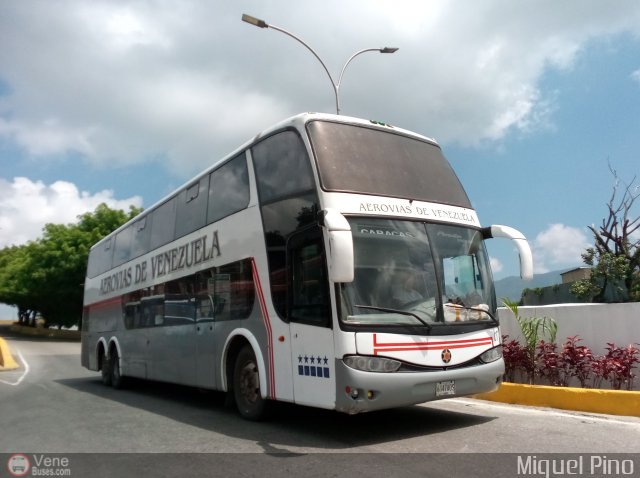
point(52, 405)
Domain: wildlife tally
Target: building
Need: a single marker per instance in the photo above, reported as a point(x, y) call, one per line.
point(575, 275)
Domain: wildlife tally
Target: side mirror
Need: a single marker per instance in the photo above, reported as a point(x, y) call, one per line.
point(524, 251)
point(340, 253)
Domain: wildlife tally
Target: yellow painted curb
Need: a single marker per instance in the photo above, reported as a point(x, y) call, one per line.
point(6, 360)
point(611, 402)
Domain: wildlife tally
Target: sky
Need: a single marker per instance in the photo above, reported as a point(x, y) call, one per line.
point(121, 102)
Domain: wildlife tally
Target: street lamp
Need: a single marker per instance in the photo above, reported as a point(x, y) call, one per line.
point(336, 86)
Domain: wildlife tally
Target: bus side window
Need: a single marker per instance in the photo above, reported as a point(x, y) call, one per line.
point(140, 319)
point(234, 291)
point(307, 277)
point(131, 315)
point(204, 309)
point(191, 212)
point(123, 246)
point(228, 189)
point(163, 220)
point(100, 258)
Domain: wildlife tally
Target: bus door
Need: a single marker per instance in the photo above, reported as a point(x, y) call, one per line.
point(309, 313)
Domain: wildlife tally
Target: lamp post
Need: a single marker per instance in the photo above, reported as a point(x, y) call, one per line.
point(336, 86)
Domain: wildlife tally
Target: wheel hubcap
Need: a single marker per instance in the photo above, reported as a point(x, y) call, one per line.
point(249, 382)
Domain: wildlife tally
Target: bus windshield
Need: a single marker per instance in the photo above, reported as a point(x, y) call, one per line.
point(417, 274)
point(358, 159)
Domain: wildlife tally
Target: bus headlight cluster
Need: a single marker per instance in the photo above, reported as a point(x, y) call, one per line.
point(492, 355)
point(372, 364)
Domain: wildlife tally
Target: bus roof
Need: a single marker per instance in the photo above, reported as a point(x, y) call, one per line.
point(299, 121)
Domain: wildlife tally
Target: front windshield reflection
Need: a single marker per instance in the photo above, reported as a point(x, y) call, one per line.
point(411, 273)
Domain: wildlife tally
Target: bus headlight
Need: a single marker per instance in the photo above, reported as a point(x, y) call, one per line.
point(492, 355)
point(372, 364)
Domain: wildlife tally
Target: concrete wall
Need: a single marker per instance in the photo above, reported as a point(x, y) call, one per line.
point(596, 324)
point(555, 294)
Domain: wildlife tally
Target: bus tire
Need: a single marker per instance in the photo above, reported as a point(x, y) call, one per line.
point(117, 380)
point(246, 386)
point(105, 370)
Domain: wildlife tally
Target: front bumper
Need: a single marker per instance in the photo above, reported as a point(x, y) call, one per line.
point(377, 391)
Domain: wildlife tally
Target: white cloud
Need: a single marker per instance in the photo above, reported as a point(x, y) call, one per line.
point(496, 265)
point(47, 137)
point(558, 246)
point(26, 206)
point(635, 76)
point(186, 81)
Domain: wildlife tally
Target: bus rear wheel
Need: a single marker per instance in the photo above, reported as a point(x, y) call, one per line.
point(117, 380)
point(246, 386)
point(105, 370)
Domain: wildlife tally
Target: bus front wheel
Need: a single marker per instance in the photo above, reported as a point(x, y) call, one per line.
point(246, 386)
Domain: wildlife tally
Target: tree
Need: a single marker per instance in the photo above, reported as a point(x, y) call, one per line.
point(615, 256)
point(47, 275)
point(13, 261)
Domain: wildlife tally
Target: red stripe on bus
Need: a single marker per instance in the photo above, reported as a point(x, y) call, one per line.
point(441, 345)
point(267, 323)
point(445, 342)
point(104, 303)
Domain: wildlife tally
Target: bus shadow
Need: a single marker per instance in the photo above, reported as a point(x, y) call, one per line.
point(289, 425)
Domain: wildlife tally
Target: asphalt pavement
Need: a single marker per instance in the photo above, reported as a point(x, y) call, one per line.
point(52, 405)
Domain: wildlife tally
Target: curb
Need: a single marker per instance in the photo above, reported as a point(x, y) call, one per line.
point(42, 332)
point(609, 402)
point(6, 360)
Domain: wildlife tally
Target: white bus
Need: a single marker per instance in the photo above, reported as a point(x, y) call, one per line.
point(331, 262)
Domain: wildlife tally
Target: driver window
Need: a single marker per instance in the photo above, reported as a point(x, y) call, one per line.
point(308, 293)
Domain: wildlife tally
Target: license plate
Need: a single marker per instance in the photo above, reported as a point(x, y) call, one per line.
point(445, 388)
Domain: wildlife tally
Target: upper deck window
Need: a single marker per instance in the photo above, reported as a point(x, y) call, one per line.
point(228, 189)
point(366, 160)
point(282, 167)
point(191, 208)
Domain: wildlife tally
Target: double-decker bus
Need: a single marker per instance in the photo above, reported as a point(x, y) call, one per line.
point(330, 262)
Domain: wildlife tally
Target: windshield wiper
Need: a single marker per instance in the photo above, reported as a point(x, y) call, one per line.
point(395, 311)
